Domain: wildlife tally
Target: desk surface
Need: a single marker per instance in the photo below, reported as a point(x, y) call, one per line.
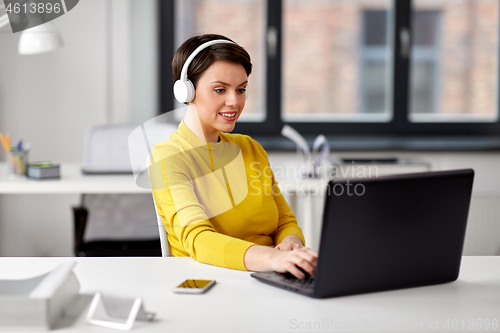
point(239, 303)
point(73, 181)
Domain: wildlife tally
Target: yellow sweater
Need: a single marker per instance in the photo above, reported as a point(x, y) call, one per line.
point(218, 199)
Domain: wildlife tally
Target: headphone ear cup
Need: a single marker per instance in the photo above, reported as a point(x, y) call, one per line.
point(184, 91)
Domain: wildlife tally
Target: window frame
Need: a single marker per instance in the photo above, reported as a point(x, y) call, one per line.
point(398, 127)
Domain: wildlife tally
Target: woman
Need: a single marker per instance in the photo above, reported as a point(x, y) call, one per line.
point(215, 191)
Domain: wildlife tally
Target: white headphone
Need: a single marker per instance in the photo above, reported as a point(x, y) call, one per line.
point(183, 88)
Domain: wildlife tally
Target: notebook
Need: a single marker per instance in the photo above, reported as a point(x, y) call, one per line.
point(387, 233)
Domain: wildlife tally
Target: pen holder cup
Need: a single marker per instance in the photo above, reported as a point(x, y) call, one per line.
point(16, 163)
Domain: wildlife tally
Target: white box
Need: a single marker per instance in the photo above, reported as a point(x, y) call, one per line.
point(35, 304)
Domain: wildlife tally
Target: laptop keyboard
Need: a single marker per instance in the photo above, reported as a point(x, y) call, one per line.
point(307, 283)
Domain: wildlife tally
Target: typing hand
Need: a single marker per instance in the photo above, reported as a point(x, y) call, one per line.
point(291, 276)
point(296, 262)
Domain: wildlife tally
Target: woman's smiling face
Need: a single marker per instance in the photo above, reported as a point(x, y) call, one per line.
point(220, 98)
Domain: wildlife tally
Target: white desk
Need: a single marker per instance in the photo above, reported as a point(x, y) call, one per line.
point(72, 181)
point(239, 303)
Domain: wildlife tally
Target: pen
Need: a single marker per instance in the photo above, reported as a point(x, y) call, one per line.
point(20, 145)
point(4, 143)
point(27, 147)
point(19, 165)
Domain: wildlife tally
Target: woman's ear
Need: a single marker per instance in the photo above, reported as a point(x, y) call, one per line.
point(193, 100)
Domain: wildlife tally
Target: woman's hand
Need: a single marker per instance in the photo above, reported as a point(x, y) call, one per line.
point(262, 258)
point(290, 261)
point(289, 243)
point(287, 246)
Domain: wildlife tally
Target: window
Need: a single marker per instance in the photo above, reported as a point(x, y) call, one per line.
point(454, 71)
point(425, 66)
point(375, 65)
point(231, 19)
point(386, 68)
point(335, 61)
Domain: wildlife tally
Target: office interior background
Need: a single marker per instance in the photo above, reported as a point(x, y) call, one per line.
point(336, 69)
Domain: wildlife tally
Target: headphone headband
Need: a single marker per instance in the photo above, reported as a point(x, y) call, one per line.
point(195, 53)
point(183, 88)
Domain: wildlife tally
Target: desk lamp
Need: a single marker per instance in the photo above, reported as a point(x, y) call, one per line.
point(39, 39)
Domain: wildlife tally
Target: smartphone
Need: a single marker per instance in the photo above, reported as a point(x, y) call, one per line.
point(194, 286)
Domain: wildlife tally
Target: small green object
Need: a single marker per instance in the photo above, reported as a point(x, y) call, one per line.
point(42, 165)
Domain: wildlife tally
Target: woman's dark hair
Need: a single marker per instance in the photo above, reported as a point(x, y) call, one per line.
point(232, 53)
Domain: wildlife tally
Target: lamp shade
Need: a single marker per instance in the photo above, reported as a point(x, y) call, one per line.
point(40, 39)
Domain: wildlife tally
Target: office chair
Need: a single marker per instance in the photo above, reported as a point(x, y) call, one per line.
point(116, 224)
point(165, 246)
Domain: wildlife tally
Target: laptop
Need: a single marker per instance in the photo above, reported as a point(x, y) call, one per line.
point(387, 233)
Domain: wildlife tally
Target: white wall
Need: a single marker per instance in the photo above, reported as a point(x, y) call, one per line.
point(51, 99)
point(144, 58)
